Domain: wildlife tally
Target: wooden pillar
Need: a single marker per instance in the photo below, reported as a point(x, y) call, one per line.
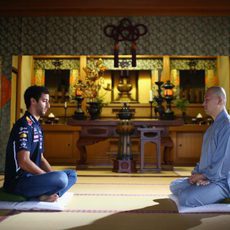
point(83, 62)
point(166, 69)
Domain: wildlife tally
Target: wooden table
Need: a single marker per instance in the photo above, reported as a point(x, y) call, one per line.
point(93, 131)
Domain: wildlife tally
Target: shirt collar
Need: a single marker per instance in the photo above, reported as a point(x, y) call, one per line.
point(32, 118)
point(221, 115)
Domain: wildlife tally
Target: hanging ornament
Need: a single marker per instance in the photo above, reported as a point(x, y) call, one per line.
point(125, 31)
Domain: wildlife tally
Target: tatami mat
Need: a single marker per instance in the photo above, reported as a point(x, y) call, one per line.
point(104, 203)
point(104, 172)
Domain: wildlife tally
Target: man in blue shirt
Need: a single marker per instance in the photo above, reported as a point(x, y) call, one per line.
point(27, 172)
point(210, 180)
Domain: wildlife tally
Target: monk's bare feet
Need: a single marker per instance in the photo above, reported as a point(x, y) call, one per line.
point(50, 198)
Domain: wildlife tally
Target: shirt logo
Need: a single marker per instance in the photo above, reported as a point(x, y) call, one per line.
point(22, 129)
point(23, 135)
point(36, 138)
point(29, 122)
point(23, 145)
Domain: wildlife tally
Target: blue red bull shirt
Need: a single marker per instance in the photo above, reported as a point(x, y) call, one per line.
point(27, 135)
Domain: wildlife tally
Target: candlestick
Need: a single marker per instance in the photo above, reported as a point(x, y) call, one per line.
point(159, 109)
point(65, 107)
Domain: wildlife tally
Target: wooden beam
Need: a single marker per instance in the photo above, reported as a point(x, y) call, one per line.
point(115, 8)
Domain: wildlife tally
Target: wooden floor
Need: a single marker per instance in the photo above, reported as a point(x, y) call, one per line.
point(104, 200)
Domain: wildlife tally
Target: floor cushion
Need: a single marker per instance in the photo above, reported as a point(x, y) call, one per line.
point(5, 196)
point(58, 205)
point(210, 208)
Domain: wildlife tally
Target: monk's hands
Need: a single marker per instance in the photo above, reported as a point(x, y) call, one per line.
point(198, 179)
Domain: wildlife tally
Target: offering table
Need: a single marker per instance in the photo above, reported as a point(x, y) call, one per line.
point(93, 131)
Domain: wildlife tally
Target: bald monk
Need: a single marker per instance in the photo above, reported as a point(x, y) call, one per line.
point(209, 181)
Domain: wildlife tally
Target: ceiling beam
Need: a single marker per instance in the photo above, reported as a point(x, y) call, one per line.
point(115, 8)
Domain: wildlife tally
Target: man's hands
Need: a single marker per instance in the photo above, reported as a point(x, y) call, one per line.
point(198, 179)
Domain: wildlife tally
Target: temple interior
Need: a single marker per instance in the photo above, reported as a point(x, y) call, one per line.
point(126, 81)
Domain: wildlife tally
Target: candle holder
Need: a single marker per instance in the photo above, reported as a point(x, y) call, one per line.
point(159, 108)
point(65, 108)
point(79, 113)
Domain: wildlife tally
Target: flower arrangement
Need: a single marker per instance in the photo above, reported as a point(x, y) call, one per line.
point(93, 81)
